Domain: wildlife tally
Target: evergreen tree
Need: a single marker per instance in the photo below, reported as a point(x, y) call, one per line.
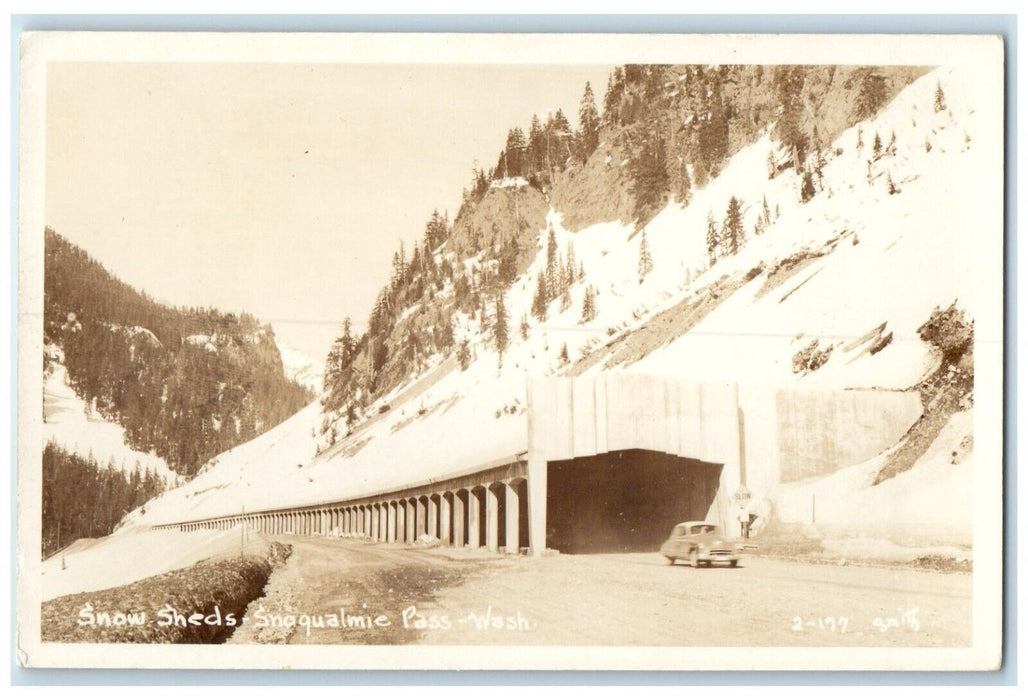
point(713, 239)
point(565, 300)
point(876, 148)
point(891, 148)
point(645, 259)
point(650, 181)
point(563, 356)
point(588, 124)
point(551, 251)
point(464, 354)
point(732, 231)
point(524, 327)
point(588, 304)
point(890, 186)
point(501, 331)
point(536, 145)
point(540, 300)
point(612, 98)
point(789, 83)
point(940, 98)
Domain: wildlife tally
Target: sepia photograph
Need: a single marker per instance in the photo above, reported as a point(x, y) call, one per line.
point(510, 351)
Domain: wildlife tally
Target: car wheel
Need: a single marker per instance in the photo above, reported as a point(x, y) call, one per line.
point(694, 560)
point(734, 563)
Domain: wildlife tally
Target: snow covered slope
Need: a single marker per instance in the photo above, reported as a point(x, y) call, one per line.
point(860, 253)
point(68, 422)
point(92, 565)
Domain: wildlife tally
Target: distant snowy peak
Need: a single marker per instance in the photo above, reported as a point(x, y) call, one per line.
point(300, 367)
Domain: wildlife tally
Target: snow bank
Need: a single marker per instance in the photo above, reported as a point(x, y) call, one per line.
point(130, 556)
point(934, 496)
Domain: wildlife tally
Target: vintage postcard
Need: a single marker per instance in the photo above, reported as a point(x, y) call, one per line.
point(510, 352)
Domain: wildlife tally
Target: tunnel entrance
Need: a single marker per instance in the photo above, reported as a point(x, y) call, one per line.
point(625, 501)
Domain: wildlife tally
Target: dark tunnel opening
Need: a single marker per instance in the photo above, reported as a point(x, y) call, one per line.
point(625, 501)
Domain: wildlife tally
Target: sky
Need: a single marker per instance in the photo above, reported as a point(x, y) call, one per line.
point(278, 189)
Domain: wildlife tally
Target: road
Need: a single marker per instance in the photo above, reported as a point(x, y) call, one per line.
point(394, 594)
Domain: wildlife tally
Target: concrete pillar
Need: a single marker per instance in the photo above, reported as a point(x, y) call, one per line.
point(511, 527)
point(401, 521)
point(367, 521)
point(492, 519)
point(445, 511)
point(375, 523)
point(537, 473)
point(420, 510)
point(390, 522)
point(474, 517)
point(412, 521)
point(458, 518)
point(433, 517)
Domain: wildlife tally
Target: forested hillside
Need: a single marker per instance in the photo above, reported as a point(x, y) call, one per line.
point(186, 384)
point(83, 498)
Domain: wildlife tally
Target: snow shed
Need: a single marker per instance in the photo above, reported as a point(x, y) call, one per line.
point(609, 462)
point(625, 501)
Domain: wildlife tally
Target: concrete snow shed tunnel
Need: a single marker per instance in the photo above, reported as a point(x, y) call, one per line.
point(625, 501)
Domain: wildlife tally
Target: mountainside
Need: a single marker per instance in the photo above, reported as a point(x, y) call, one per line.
point(783, 254)
point(185, 384)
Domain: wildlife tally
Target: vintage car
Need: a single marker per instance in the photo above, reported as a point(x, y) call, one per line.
point(701, 544)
